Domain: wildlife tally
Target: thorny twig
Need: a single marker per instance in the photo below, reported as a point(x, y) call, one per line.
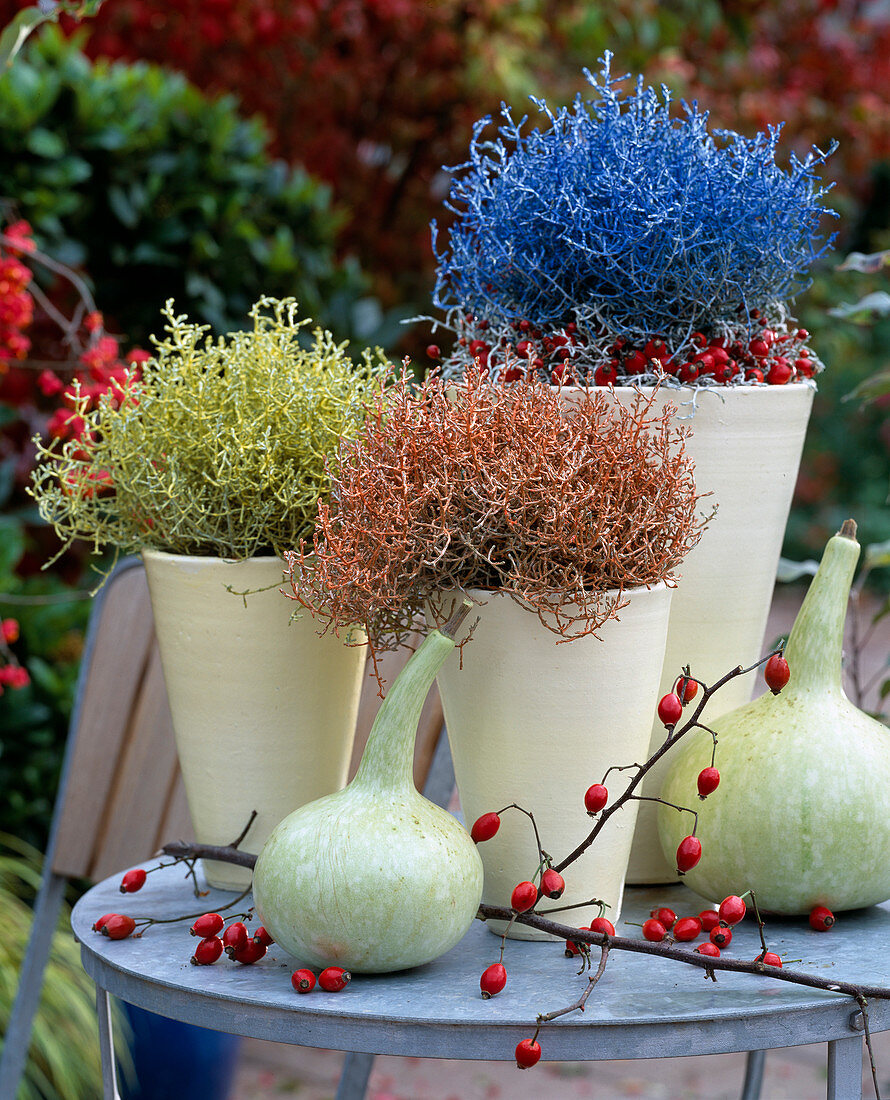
point(643, 769)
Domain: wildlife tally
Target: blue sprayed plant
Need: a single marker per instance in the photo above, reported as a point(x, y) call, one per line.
point(627, 216)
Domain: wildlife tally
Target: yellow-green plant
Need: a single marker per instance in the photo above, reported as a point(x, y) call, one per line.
point(63, 1062)
point(222, 446)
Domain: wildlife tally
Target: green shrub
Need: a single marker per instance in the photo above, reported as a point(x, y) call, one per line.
point(34, 719)
point(160, 191)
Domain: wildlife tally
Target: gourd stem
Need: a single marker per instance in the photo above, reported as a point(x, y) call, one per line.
point(815, 645)
point(388, 760)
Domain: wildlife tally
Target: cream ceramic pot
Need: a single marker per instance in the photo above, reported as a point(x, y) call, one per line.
point(537, 723)
point(263, 708)
point(746, 444)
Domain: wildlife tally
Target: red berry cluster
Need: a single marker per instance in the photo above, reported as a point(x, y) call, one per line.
point(769, 357)
point(333, 979)
point(567, 355)
point(236, 941)
point(12, 674)
point(104, 373)
point(716, 924)
point(524, 350)
point(16, 303)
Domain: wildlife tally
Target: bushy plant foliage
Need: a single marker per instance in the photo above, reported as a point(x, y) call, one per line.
point(488, 486)
point(220, 447)
point(630, 218)
point(159, 191)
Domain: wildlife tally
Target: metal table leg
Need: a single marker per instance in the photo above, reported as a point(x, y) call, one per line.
point(106, 1046)
point(845, 1069)
point(354, 1078)
point(753, 1075)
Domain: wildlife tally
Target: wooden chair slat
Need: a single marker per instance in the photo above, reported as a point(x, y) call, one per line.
point(116, 671)
point(147, 768)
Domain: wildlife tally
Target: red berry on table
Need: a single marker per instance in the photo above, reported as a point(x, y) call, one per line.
point(769, 958)
point(821, 918)
point(688, 372)
point(434, 351)
point(708, 782)
point(709, 919)
point(485, 827)
point(118, 927)
point(493, 980)
point(602, 924)
point(670, 710)
point(132, 881)
point(596, 798)
point(208, 925)
point(235, 936)
point(755, 375)
point(732, 909)
point(207, 951)
point(334, 979)
point(247, 953)
point(709, 948)
point(262, 936)
point(687, 928)
point(721, 936)
point(572, 949)
point(528, 1053)
point(780, 372)
point(686, 689)
point(524, 896)
point(303, 980)
point(688, 854)
point(100, 923)
point(552, 884)
point(667, 916)
point(654, 930)
point(776, 673)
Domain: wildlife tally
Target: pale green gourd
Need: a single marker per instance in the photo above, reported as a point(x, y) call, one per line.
point(802, 813)
point(376, 877)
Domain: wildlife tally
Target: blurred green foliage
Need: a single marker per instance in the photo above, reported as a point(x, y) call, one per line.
point(158, 190)
point(34, 719)
point(845, 471)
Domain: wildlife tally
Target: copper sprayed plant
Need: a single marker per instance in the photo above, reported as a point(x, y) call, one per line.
point(494, 487)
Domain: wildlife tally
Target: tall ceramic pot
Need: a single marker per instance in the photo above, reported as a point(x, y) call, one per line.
point(263, 708)
point(537, 723)
point(746, 444)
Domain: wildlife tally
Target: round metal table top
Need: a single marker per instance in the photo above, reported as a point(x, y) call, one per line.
point(642, 1007)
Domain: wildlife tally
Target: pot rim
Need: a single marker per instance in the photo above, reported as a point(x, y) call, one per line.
point(217, 559)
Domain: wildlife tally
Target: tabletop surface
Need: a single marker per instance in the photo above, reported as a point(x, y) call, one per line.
point(642, 1007)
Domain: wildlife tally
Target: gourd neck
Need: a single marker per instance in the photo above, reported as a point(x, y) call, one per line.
point(387, 763)
point(815, 645)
